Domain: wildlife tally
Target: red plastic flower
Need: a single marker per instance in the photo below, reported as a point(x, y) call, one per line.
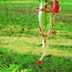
point(39, 62)
point(55, 7)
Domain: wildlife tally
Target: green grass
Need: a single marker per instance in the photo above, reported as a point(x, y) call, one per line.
point(23, 52)
point(20, 43)
point(18, 62)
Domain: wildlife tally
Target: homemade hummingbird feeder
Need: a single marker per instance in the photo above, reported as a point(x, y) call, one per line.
point(46, 12)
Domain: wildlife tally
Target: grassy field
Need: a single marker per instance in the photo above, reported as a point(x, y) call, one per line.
point(20, 43)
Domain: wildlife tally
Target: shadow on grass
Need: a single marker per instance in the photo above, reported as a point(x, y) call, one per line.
point(13, 62)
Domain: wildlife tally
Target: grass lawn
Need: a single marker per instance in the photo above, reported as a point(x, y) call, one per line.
point(20, 43)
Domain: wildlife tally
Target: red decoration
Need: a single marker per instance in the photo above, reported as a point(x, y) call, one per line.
point(55, 7)
point(39, 62)
point(53, 32)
